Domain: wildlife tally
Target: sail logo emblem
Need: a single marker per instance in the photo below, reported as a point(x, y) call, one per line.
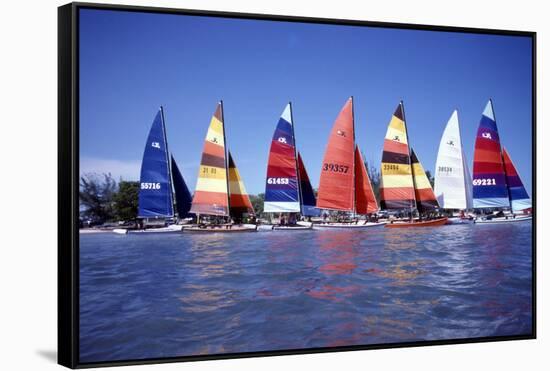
point(155, 145)
point(396, 138)
point(486, 135)
point(281, 140)
point(451, 143)
point(214, 140)
point(341, 133)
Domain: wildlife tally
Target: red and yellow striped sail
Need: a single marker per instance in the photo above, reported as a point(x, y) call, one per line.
point(424, 193)
point(239, 201)
point(211, 192)
point(396, 182)
point(365, 201)
point(336, 188)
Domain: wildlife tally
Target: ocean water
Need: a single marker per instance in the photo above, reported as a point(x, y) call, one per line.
point(149, 296)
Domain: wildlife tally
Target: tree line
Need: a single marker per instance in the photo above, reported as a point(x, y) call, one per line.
point(103, 199)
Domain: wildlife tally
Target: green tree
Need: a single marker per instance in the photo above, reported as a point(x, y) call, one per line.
point(374, 176)
point(430, 177)
point(96, 196)
point(258, 203)
point(126, 200)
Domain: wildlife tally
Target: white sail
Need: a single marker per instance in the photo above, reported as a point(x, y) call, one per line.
point(451, 175)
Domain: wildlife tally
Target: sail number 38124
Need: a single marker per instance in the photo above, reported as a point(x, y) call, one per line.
point(485, 182)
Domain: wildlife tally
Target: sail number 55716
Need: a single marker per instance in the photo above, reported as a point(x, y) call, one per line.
point(485, 182)
point(150, 185)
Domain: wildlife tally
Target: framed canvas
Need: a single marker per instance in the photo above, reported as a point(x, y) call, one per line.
point(239, 185)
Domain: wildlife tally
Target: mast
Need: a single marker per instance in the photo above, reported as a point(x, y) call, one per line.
point(168, 162)
point(226, 154)
point(354, 164)
point(410, 157)
point(299, 181)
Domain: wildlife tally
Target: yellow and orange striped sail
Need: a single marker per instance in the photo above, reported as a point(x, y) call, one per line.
point(425, 196)
point(396, 182)
point(239, 201)
point(211, 192)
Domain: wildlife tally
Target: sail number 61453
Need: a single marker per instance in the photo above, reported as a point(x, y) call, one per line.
point(278, 181)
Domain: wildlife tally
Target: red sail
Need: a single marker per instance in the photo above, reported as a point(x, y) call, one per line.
point(336, 183)
point(365, 202)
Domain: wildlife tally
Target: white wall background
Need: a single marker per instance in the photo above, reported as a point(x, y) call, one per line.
point(28, 155)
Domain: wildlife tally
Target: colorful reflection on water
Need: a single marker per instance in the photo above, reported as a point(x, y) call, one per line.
point(150, 296)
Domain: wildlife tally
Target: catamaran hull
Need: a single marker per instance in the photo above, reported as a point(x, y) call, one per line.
point(503, 220)
point(169, 229)
point(325, 226)
point(288, 228)
point(459, 221)
point(223, 229)
point(423, 223)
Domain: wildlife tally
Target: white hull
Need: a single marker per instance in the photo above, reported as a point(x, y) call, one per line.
point(300, 226)
point(359, 225)
point(236, 228)
point(169, 229)
point(500, 220)
point(458, 220)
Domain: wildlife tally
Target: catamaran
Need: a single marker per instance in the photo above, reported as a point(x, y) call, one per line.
point(163, 193)
point(404, 184)
point(453, 182)
point(344, 185)
point(288, 191)
point(496, 184)
point(220, 194)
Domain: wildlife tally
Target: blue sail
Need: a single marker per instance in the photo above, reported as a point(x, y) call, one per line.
point(155, 193)
point(308, 196)
point(183, 196)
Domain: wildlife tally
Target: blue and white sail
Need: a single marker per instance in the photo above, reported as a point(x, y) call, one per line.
point(183, 196)
point(155, 193)
point(282, 188)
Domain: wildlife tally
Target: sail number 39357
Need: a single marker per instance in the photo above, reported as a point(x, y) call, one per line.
point(485, 182)
point(337, 168)
point(150, 185)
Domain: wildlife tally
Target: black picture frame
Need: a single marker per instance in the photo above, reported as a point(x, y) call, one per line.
point(68, 181)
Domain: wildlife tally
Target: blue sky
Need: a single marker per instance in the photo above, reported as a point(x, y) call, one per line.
point(131, 63)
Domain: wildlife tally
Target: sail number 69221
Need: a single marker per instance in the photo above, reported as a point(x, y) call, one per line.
point(485, 182)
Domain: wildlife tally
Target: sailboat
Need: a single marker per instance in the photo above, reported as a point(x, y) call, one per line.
point(496, 183)
point(344, 185)
point(163, 194)
point(220, 192)
point(453, 182)
point(287, 187)
point(404, 184)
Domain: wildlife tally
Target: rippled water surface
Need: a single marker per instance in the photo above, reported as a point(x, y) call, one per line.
point(149, 296)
